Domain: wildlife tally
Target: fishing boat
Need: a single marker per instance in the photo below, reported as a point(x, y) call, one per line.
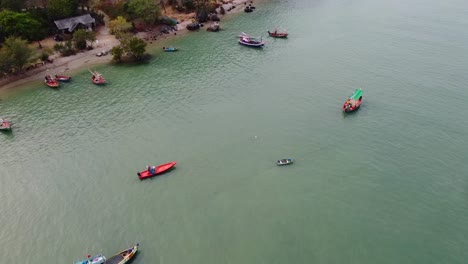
point(282, 162)
point(97, 78)
point(98, 259)
point(124, 256)
point(62, 78)
point(247, 40)
point(51, 82)
point(156, 170)
point(278, 34)
point(5, 125)
point(354, 102)
point(170, 49)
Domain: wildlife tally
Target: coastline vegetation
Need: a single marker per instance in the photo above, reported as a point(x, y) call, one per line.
point(24, 23)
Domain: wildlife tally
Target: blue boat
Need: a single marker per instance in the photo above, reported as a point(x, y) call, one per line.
point(98, 259)
point(170, 49)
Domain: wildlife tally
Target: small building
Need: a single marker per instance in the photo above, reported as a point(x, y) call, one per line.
point(72, 23)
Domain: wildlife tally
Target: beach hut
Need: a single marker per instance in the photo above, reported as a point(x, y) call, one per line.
point(72, 23)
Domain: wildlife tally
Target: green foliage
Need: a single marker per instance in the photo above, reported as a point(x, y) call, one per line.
point(45, 54)
point(81, 37)
point(147, 10)
point(117, 52)
point(62, 8)
point(189, 4)
point(16, 53)
point(20, 24)
point(65, 49)
point(119, 25)
point(136, 47)
point(113, 9)
point(15, 5)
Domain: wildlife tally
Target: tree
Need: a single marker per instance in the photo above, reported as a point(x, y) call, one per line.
point(20, 24)
point(136, 47)
point(148, 10)
point(15, 5)
point(17, 52)
point(62, 8)
point(117, 52)
point(119, 25)
point(81, 37)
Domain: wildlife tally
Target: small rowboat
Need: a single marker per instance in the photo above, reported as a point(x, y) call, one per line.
point(51, 82)
point(62, 78)
point(276, 34)
point(5, 125)
point(247, 40)
point(98, 259)
point(123, 256)
point(170, 49)
point(97, 78)
point(354, 102)
point(282, 162)
point(153, 171)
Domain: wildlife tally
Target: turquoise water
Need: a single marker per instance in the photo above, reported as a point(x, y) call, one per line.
point(387, 184)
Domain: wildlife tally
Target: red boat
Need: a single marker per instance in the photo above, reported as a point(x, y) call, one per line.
point(5, 125)
point(51, 82)
point(153, 171)
point(97, 78)
point(276, 34)
point(62, 78)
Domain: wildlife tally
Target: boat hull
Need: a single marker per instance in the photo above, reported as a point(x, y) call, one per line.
point(253, 45)
point(98, 82)
point(158, 170)
point(123, 257)
point(62, 78)
point(277, 35)
point(283, 162)
point(52, 84)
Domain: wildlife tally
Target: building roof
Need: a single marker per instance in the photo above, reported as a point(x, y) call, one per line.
point(71, 22)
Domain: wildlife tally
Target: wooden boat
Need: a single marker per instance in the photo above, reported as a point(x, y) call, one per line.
point(123, 257)
point(62, 78)
point(354, 102)
point(247, 40)
point(282, 162)
point(5, 125)
point(170, 49)
point(97, 78)
point(51, 82)
point(153, 171)
point(98, 259)
point(276, 34)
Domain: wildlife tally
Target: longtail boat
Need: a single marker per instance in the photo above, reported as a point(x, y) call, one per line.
point(97, 78)
point(123, 256)
point(282, 162)
point(247, 40)
point(5, 125)
point(98, 259)
point(155, 170)
point(354, 102)
point(277, 34)
point(51, 82)
point(170, 49)
point(62, 78)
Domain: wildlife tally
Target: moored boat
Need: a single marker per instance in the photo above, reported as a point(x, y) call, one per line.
point(98, 259)
point(5, 125)
point(247, 40)
point(123, 256)
point(170, 49)
point(156, 170)
point(354, 102)
point(51, 82)
point(62, 78)
point(282, 162)
point(277, 34)
point(97, 78)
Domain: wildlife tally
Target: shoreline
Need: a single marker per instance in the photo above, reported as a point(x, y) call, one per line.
point(86, 59)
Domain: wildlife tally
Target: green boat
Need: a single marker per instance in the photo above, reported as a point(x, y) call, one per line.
point(354, 101)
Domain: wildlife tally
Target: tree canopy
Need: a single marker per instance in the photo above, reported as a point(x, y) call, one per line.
point(16, 53)
point(81, 37)
point(14, 5)
point(20, 24)
point(62, 8)
point(148, 10)
point(119, 25)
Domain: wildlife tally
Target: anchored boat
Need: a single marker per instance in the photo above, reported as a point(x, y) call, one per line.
point(51, 82)
point(282, 162)
point(5, 125)
point(354, 102)
point(123, 256)
point(247, 40)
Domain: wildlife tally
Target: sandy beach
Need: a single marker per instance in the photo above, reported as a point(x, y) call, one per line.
point(104, 42)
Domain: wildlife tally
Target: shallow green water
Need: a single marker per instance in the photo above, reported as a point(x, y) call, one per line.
point(387, 184)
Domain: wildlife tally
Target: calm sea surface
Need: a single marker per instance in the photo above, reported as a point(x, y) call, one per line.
point(388, 184)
